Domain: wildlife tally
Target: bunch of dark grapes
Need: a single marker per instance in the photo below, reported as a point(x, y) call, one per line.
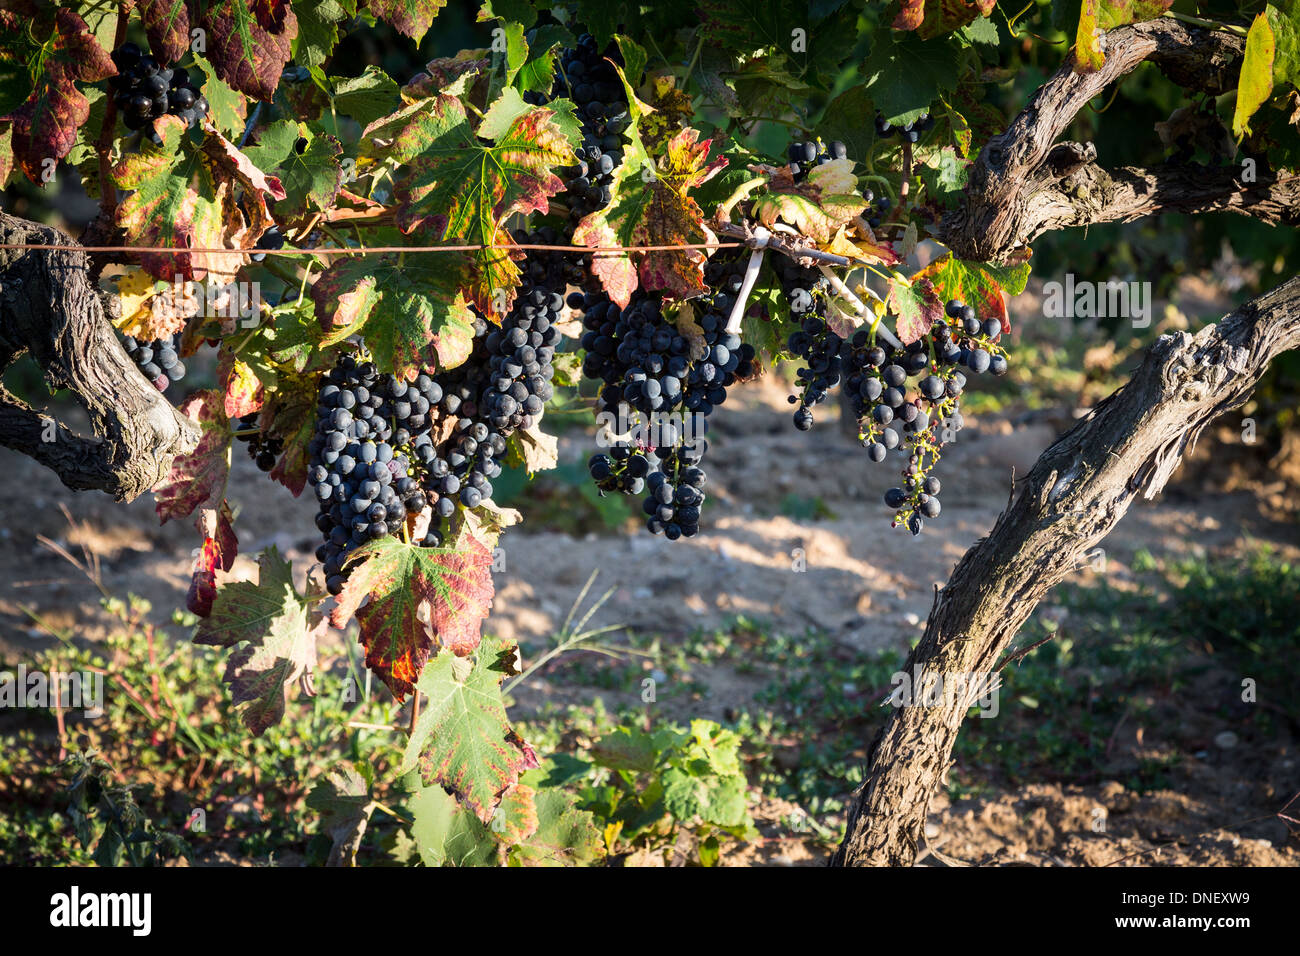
point(359, 477)
point(144, 90)
point(920, 417)
point(910, 132)
point(814, 343)
point(159, 359)
point(590, 80)
point(676, 492)
point(265, 450)
point(804, 156)
point(670, 384)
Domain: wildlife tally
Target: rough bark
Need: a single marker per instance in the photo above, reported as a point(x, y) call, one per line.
point(50, 307)
point(1075, 494)
point(1025, 183)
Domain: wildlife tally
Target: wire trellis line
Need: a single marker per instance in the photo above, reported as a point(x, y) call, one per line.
point(370, 250)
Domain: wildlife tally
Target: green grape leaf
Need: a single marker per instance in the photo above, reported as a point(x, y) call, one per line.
point(461, 739)
point(366, 97)
point(406, 598)
point(1098, 16)
point(1272, 57)
point(411, 17)
point(311, 178)
point(318, 29)
point(916, 307)
point(843, 121)
point(290, 413)
point(249, 43)
point(650, 209)
point(931, 18)
point(462, 192)
point(201, 474)
point(228, 109)
point(167, 25)
point(906, 74)
point(980, 285)
point(565, 835)
point(44, 124)
point(1256, 83)
point(511, 11)
point(278, 631)
point(446, 834)
point(342, 798)
point(409, 310)
point(538, 70)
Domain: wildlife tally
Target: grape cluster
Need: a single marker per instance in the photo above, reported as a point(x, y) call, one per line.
point(159, 359)
point(359, 475)
point(265, 450)
point(814, 343)
point(144, 89)
point(590, 80)
point(671, 383)
point(922, 416)
point(804, 156)
point(911, 132)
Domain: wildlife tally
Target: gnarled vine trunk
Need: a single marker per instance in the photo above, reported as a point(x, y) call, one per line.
point(1077, 491)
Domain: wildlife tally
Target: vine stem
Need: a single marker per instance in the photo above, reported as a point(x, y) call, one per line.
point(1207, 24)
point(415, 714)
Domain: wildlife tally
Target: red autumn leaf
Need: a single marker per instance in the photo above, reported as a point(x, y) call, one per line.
point(249, 42)
point(411, 17)
point(167, 25)
point(651, 211)
point(916, 308)
point(203, 584)
point(45, 125)
point(978, 284)
point(408, 598)
point(201, 474)
point(931, 18)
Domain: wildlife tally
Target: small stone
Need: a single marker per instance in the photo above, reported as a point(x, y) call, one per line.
point(1226, 740)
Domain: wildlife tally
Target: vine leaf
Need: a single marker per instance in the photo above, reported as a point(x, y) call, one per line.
point(278, 632)
point(1098, 16)
point(182, 196)
point(291, 413)
point(244, 393)
point(411, 17)
point(916, 307)
point(408, 598)
point(45, 124)
point(977, 284)
point(938, 17)
point(650, 209)
point(409, 309)
point(1272, 57)
point(200, 474)
point(564, 836)
point(250, 43)
point(311, 178)
point(203, 583)
point(342, 798)
point(167, 25)
point(461, 191)
point(462, 740)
